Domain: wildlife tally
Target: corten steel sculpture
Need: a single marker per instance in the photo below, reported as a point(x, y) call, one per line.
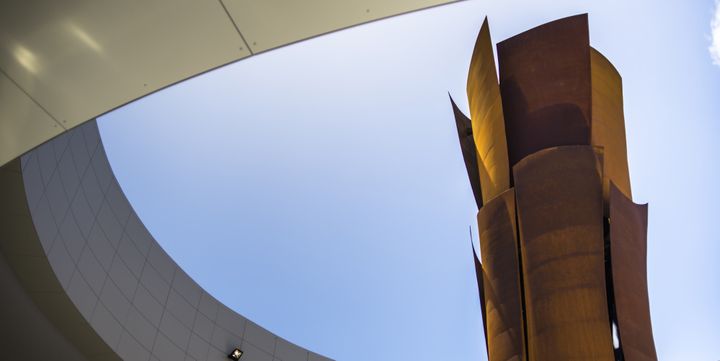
point(563, 246)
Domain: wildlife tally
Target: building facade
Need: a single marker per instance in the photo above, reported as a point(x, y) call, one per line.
point(562, 274)
point(83, 279)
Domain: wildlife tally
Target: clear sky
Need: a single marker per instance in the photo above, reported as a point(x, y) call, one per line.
point(319, 189)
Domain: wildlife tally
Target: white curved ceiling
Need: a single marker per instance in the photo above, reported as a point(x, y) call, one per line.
point(65, 62)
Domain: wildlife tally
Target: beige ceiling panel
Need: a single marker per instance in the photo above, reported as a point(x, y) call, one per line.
point(22, 122)
point(73, 60)
point(81, 58)
point(268, 24)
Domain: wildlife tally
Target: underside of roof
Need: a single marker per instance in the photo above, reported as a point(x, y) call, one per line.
point(63, 63)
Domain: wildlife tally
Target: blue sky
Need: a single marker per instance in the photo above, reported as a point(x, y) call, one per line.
point(319, 189)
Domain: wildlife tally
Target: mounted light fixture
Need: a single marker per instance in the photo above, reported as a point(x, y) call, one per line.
point(236, 354)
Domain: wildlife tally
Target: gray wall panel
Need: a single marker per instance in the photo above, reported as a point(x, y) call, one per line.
point(162, 263)
point(58, 200)
point(79, 152)
point(256, 353)
point(174, 330)
point(131, 257)
point(62, 264)
point(152, 281)
point(208, 306)
point(203, 327)
point(139, 235)
point(259, 337)
point(315, 357)
point(122, 277)
point(287, 351)
point(132, 294)
point(81, 295)
point(105, 324)
point(180, 309)
point(114, 300)
point(140, 328)
point(100, 246)
point(120, 206)
point(109, 224)
point(69, 175)
point(101, 166)
point(224, 340)
point(91, 191)
point(215, 355)
point(82, 213)
point(165, 350)
point(130, 349)
point(71, 235)
point(187, 288)
point(44, 223)
point(197, 347)
point(231, 321)
point(46, 157)
point(148, 306)
point(59, 146)
point(91, 271)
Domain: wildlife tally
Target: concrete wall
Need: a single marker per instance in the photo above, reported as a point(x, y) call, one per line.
point(126, 287)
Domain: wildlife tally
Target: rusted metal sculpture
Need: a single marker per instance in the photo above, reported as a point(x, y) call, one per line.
point(563, 247)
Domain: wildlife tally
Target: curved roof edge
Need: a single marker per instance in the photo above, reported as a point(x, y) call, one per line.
point(87, 261)
point(62, 64)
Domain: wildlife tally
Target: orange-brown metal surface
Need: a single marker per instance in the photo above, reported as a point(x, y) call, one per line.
point(560, 217)
point(608, 122)
point(469, 152)
point(545, 87)
point(499, 252)
point(486, 113)
point(628, 246)
point(480, 276)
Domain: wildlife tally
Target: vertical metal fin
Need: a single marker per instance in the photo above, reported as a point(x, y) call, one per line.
point(480, 275)
point(469, 152)
point(499, 251)
point(628, 246)
point(608, 123)
point(488, 122)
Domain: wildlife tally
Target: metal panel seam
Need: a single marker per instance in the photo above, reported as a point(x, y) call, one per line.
point(236, 27)
point(31, 98)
